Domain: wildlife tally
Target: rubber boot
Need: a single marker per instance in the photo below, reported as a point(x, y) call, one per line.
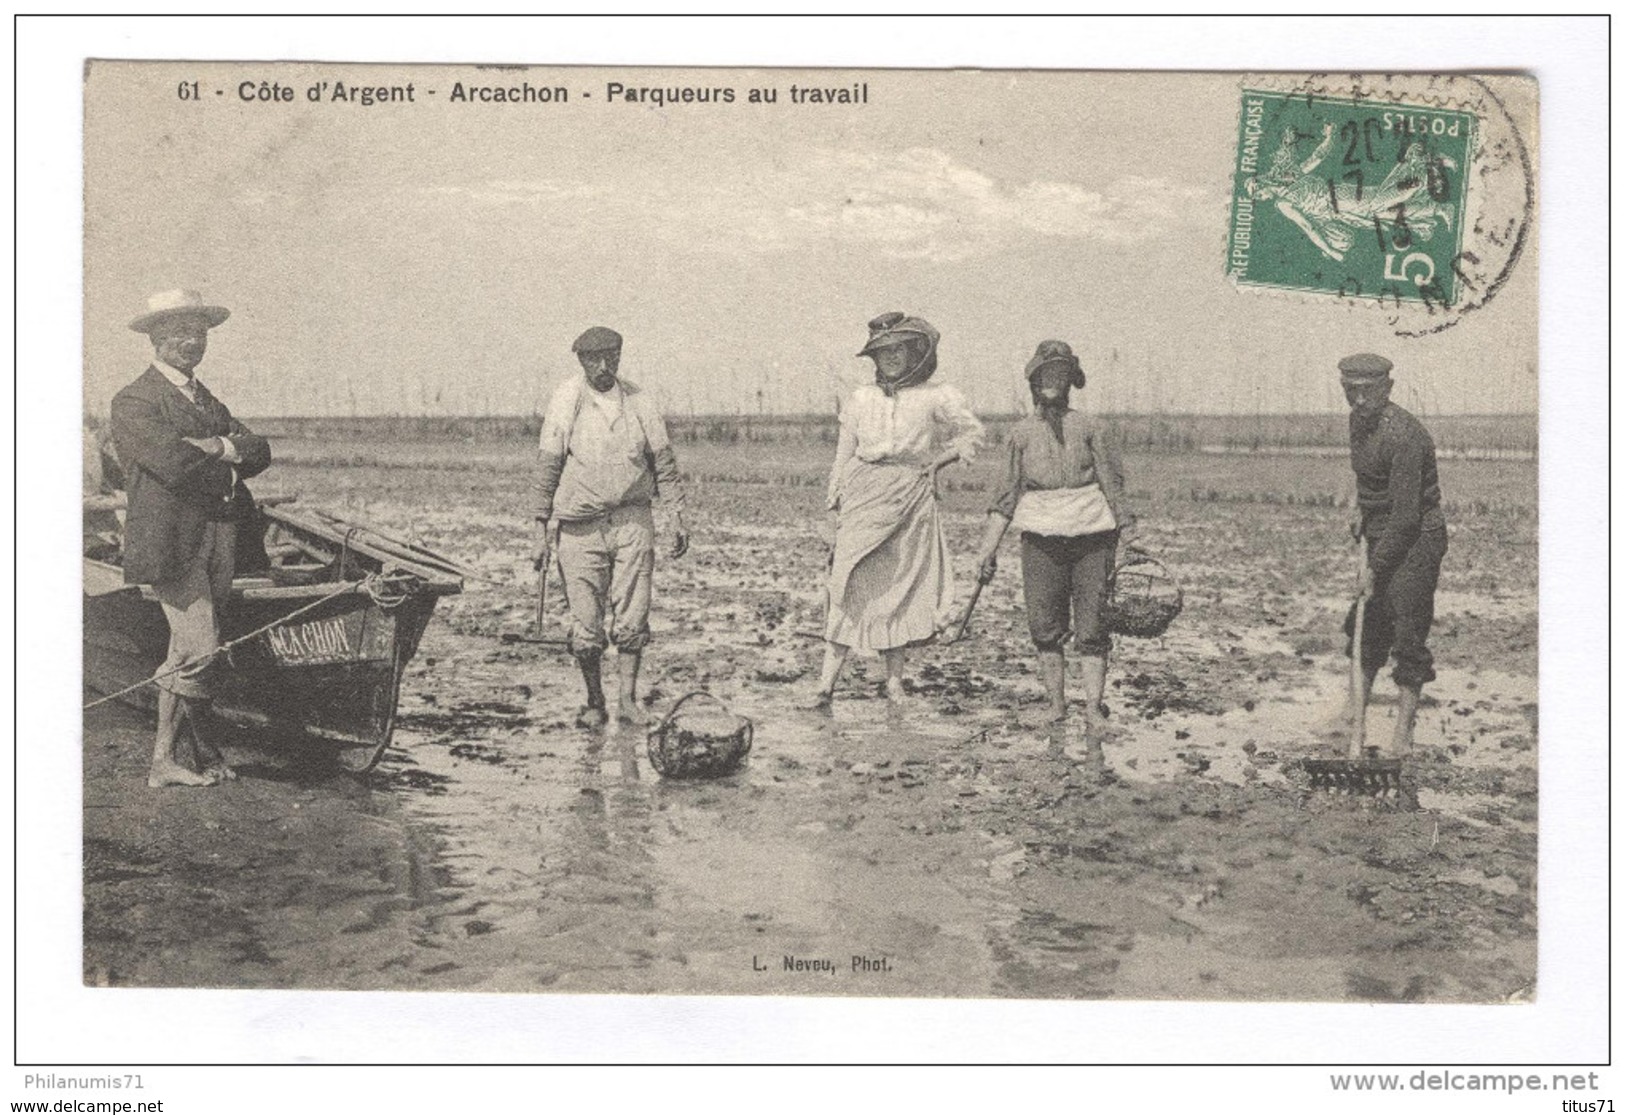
point(627, 663)
point(592, 714)
point(171, 754)
point(1410, 697)
point(1052, 672)
point(1092, 678)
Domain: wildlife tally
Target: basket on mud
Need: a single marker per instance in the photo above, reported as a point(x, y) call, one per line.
point(1141, 598)
point(699, 743)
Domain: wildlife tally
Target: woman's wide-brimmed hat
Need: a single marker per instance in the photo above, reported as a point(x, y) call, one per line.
point(894, 329)
point(1058, 353)
point(169, 304)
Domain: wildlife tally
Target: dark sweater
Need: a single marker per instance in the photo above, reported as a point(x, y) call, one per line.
point(1397, 479)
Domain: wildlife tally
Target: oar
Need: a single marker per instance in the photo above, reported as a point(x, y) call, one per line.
point(414, 550)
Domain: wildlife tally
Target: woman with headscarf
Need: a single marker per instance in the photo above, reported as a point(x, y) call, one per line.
point(890, 580)
point(1064, 493)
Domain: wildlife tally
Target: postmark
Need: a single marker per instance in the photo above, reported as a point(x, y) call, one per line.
point(1409, 194)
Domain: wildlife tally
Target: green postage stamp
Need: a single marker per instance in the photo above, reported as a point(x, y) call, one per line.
point(1356, 198)
point(1409, 192)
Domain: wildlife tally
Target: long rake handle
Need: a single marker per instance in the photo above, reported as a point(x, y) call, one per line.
point(1357, 693)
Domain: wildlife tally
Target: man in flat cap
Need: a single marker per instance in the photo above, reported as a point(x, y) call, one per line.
point(185, 458)
point(605, 455)
point(1397, 486)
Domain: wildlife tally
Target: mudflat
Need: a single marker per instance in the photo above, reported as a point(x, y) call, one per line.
point(957, 849)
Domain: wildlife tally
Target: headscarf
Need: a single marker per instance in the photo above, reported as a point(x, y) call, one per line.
point(1054, 354)
point(892, 329)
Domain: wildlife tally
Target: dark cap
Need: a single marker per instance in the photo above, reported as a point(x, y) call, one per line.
point(597, 339)
point(894, 329)
point(1364, 366)
point(1058, 353)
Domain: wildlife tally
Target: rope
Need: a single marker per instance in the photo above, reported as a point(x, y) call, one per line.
point(387, 590)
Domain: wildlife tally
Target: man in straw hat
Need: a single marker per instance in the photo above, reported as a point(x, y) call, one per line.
point(185, 458)
point(1397, 486)
point(605, 455)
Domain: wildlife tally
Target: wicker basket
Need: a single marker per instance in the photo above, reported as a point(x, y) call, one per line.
point(701, 744)
point(1141, 598)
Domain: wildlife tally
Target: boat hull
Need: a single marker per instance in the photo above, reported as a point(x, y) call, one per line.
point(331, 673)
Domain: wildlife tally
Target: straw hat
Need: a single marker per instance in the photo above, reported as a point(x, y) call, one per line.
point(178, 303)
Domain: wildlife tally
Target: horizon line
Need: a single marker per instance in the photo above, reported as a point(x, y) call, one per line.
point(823, 416)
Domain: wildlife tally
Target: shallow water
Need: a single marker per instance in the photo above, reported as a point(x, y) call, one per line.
point(959, 849)
point(865, 852)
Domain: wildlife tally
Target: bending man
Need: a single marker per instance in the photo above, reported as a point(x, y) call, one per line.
point(1397, 484)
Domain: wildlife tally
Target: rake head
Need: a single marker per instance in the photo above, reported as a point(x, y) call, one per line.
point(1354, 776)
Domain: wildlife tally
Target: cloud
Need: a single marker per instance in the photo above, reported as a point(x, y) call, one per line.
point(918, 203)
point(922, 203)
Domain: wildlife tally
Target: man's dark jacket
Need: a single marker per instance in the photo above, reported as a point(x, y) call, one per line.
point(175, 488)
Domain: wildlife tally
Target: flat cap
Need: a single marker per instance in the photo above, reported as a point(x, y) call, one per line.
point(1365, 365)
point(597, 339)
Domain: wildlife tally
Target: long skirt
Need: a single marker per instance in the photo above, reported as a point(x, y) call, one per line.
point(891, 584)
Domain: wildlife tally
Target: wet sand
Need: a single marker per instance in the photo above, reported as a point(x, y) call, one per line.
point(957, 849)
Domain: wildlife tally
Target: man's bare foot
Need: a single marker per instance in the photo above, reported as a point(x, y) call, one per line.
point(629, 714)
point(170, 773)
point(211, 761)
point(591, 717)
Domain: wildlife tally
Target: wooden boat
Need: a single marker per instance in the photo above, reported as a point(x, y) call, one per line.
point(333, 609)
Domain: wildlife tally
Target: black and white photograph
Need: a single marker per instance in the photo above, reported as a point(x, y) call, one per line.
point(759, 536)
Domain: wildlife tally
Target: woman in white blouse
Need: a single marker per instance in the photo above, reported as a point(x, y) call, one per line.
point(890, 581)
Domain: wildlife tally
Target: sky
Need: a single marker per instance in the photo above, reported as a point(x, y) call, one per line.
point(438, 258)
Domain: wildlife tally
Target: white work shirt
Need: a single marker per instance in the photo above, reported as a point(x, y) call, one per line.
point(613, 444)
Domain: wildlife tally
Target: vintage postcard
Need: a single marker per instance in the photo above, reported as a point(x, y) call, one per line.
point(868, 533)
